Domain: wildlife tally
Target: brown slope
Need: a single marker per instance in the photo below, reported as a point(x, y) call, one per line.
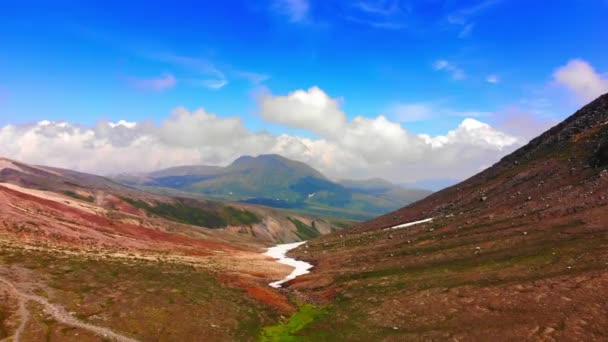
point(518, 251)
point(127, 273)
point(572, 152)
point(72, 244)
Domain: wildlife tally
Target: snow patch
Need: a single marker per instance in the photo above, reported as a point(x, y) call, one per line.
point(300, 267)
point(409, 224)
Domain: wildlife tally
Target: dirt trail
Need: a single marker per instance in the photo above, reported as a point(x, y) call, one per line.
point(59, 314)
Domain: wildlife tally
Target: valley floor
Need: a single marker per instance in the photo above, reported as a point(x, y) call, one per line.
point(48, 294)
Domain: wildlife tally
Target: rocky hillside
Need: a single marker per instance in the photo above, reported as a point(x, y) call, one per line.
point(86, 259)
point(557, 169)
point(119, 201)
point(518, 251)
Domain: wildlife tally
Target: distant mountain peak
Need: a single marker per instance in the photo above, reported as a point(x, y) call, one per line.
point(274, 180)
point(275, 161)
point(261, 157)
point(6, 163)
point(9, 165)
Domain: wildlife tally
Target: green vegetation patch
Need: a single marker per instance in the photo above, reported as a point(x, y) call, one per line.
point(72, 194)
point(181, 212)
point(305, 232)
point(484, 263)
point(236, 216)
point(290, 329)
point(189, 214)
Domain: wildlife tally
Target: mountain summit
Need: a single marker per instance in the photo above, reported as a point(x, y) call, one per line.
point(276, 181)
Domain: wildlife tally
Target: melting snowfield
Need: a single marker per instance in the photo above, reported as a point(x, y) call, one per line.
point(409, 224)
point(278, 252)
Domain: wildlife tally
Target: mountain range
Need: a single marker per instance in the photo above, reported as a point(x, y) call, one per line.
point(275, 181)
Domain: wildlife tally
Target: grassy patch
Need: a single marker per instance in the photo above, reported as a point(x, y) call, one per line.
point(304, 232)
point(236, 216)
point(483, 263)
point(290, 329)
point(72, 194)
point(194, 215)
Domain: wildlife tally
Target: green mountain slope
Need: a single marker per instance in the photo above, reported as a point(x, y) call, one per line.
point(275, 181)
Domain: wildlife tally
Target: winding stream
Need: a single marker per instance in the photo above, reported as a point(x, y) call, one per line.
point(300, 267)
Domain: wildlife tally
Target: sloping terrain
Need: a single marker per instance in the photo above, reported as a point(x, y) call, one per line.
point(83, 258)
point(119, 200)
point(518, 252)
point(275, 181)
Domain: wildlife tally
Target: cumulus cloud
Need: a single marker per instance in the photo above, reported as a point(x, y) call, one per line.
point(310, 109)
point(472, 132)
point(444, 65)
point(163, 82)
point(359, 148)
point(581, 78)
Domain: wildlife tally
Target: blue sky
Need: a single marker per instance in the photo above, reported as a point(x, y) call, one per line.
point(425, 64)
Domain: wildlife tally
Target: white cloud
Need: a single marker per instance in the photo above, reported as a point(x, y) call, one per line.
point(493, 79)
point(161, 83)
point(444, 65)
point(211, 84)
point(365, 147)
point(123, 123)
point(362, 147)
point(475, 133)
point(581, 78)
point(310, 109)
point(295, 10)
